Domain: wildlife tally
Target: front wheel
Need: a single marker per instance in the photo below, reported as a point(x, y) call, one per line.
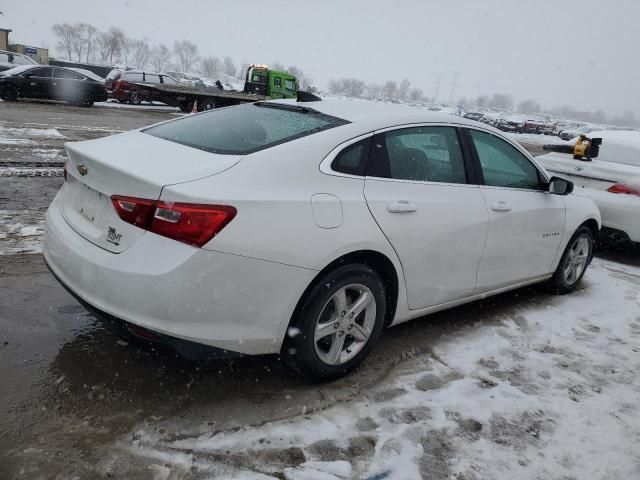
point(9, 93)
point(574, 262)
point(337, 324)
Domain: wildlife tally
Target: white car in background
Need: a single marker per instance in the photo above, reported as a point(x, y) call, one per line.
point(305, 228)
point(611, 180)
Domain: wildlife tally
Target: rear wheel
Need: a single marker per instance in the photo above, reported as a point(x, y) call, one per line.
point(337, 324)
point(86, 101)
point(208, 104)
point(574, 261)
point(135, 99)
point(9, 93)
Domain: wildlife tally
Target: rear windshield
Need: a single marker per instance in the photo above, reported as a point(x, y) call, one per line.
point(244, 129)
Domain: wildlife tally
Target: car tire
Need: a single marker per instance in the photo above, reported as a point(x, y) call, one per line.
point(321, 343)
point(135, 99)
point(86, 101)
point(208, 104)
point(574, 262)
point(9, 93)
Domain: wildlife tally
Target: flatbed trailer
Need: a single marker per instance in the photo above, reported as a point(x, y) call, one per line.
point(207, 98)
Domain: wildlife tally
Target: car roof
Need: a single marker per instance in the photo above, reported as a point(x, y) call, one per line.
point(356, 111)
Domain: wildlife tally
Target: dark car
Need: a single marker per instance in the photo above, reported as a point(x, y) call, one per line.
point(538, 126)
point(79, 87)
point(129, 86)
point(507, 125)
point(477, 116)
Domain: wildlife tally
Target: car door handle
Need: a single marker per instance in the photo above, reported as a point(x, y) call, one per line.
point(401, 206)
point(501, 207)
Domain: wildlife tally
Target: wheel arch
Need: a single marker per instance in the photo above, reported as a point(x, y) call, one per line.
point(377, 261)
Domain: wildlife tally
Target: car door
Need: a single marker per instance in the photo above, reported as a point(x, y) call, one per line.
point(37, 83)
point(417, 189)
point(526, 222)
point(68, 85)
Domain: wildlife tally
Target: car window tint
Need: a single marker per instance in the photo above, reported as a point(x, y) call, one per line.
point(428, 154)
point(169, 80)
point(244, 128)
point(41, 72)
point(503, 165)
point(61, 73)
point(151, 78)
point(353, 159)
point(134, 77)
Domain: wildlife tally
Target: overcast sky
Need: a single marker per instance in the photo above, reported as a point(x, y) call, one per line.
point(558, 52)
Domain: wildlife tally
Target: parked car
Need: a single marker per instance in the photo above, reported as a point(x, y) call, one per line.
point(72, 85)
point(128, 86)
point(537, 126)
point(611, 180)
point(572, 133)
point(10, 60)
point(265, 237)
point(507, 125)
point(477, 116)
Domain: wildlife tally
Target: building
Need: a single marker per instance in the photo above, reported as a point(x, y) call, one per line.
point(4, 38)
point(40, 55)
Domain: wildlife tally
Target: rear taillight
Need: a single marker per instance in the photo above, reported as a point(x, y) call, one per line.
point(117, 84)
point(623, 188)
point(195, 224)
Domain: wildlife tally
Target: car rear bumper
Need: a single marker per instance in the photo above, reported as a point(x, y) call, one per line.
point(230, 302)
point(619, 211)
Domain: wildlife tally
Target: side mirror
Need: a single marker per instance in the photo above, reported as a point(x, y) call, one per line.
point(560, 186)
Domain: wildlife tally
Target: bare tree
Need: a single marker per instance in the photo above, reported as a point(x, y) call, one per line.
point(373, 90)
point(90, 33)
point(403, 90)
point(390, 90)
point(277, 66)
point(353, 87)
point(305, 82)
point(528, 106)
point(336, 85)
point(160, 57)
point(210, 66)
point(140, 53)
point(186, 54)
point(111, 44)
point(242, 72)
point(482, 101)
point(501, 101)
point(64, 32)
point(415, 94)
point(228, 67)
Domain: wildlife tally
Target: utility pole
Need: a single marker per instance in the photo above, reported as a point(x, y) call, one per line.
point(439, 78)
point(453, 85)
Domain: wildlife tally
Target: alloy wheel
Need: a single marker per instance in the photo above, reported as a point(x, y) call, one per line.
point(577, 259)
point(345, 324)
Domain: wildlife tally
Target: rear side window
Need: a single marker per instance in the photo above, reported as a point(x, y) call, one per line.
point(353, 159)
point(41, 72)
point(150, 78)
point(60, 73)
point(425, 154)
point(169, 80)
point(244, 129)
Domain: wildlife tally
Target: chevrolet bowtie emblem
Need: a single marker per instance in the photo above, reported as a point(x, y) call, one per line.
point(82, 170)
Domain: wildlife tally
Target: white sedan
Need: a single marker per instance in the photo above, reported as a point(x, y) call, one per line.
point(306, 228)
point(611, 180)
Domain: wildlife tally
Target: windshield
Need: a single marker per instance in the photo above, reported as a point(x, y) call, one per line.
point(245, 128)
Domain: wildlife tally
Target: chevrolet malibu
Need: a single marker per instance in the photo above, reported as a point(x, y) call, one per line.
point(305, 229)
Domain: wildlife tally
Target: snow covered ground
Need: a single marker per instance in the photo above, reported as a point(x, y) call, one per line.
point(548, 391)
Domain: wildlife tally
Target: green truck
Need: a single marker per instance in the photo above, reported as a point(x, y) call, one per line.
point(260, 84)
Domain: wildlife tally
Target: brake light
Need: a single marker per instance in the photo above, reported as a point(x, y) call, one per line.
point(623, 188)
point(191, 223)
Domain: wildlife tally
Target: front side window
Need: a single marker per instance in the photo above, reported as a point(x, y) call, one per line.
point(244, 129)
point(427, 154)
point(40, 72)
point(503, 165)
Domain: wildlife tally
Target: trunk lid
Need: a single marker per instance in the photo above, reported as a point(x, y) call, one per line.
point(132, 164)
